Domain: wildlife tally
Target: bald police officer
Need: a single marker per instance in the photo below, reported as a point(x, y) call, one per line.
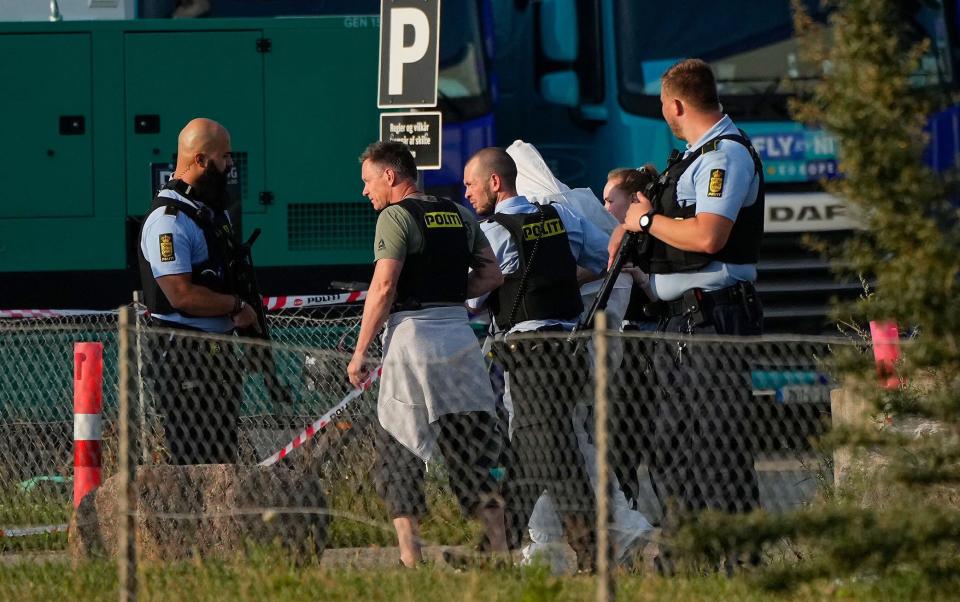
point(545, 253)
point(187, 243)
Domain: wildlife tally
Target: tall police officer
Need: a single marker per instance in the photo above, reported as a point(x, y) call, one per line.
point(435, 392)
point(705, 229)
point(186, 246)
point(545, 252)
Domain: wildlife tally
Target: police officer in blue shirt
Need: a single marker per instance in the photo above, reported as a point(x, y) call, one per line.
point(187, 244)
point(704, 232)
point(545, 252)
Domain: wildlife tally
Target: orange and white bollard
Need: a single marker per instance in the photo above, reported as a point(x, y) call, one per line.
point(886, 352)
point(87, 424)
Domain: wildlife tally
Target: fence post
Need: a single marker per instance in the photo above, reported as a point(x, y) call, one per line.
point(142, 440)
point(606, 587)
point(126, 544)
point(87, 425)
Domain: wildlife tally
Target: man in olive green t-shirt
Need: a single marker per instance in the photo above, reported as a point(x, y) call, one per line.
point(397, 233)
point(435, 395)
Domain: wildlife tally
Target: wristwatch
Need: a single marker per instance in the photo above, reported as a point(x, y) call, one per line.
point(646, 220)
point(238, 305)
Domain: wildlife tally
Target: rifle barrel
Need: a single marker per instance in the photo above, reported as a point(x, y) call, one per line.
point(253, 238)
point(609, 281)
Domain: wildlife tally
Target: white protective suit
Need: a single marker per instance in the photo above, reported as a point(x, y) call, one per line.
point(629, 528)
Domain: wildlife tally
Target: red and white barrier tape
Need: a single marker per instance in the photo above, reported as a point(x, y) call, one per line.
point(323, 421)
point(298, 301)
point(52, 313)
point(270, 303)
point(28, 531)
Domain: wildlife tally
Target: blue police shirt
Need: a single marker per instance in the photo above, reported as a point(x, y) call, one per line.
point(189, 247)
point(740, 186)
point(588, 243)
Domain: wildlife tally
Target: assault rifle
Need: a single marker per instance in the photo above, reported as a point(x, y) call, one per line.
point(628, 245)
point(633, 244)
point(259, 358)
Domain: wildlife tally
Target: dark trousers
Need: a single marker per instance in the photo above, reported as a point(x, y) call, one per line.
point(198, 384)
point(546, 383)
point(702, 439)
point(470, 446)
point(634, 403)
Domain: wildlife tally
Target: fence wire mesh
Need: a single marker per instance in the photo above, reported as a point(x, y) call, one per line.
point(37, 391)
point(232, 456)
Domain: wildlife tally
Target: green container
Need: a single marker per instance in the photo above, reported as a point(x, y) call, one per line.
point(92, 109)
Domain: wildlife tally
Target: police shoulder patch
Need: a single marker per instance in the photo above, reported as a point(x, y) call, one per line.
point(166, 248)
point(715, 186)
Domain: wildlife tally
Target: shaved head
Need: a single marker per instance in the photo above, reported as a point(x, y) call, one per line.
point(201, 136)
point(490, 176)
point(204, 158)
point(495, 160)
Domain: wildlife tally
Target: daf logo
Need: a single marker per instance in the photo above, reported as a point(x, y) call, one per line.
point(807, 213)
point(814, 212)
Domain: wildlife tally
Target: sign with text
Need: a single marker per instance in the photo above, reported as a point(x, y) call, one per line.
point(797, 156)
point(409, 53)
point(420, 131)
point(807, 212)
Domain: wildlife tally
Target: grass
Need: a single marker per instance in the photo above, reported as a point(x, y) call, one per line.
point(360, 518)
point(273, 579)
point(41, 506)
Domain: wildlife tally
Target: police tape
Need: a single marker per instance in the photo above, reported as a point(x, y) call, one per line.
point(28, 531)
point(53, 313)
point(300, 301)
point(322, 422)
point(270, 303)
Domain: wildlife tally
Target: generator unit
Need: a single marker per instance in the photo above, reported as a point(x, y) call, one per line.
point(93, 110)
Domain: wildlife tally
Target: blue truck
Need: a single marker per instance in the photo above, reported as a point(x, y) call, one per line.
point(580, 80)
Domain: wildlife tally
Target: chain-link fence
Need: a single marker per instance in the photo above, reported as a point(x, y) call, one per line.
point(37, 424)
point(473, 447)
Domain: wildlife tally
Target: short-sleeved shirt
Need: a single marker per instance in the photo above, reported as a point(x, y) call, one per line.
point(739, 187)
point(430, 351)
point(588, 243)
point(173, 244)
point(398, 235)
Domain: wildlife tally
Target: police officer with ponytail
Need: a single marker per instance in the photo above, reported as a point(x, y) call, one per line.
point(187, 244)
point(704, 230)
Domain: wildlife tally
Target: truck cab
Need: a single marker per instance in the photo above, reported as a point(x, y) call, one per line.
point(580, 80)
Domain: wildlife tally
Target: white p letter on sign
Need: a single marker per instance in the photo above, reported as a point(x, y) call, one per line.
point(400, 54)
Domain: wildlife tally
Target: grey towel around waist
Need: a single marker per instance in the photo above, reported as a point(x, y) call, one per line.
point(432, 366)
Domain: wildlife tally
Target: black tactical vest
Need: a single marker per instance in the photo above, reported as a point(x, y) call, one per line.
point(437, 274)
point(544, 286)
point(222, 248)
point(743, 245)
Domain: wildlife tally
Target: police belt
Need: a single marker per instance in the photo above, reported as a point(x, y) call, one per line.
point(414, 305)
point(201, 344)
point(698, 300)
